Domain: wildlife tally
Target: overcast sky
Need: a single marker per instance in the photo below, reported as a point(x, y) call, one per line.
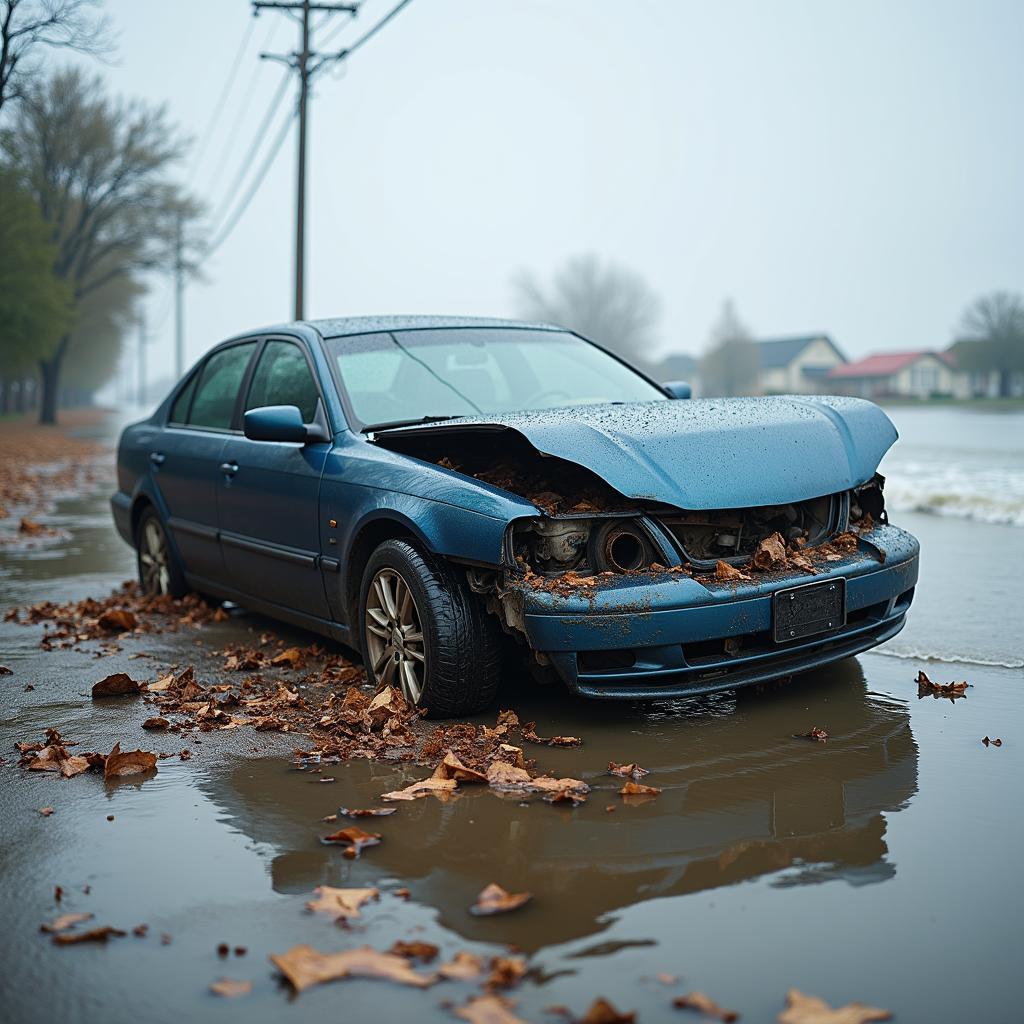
point(854, 168)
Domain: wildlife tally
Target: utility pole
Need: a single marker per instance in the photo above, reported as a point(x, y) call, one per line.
point(306, 62)
point(141, 358)
point(179, 302)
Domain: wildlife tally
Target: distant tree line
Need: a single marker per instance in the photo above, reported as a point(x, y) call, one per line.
point(86, 207)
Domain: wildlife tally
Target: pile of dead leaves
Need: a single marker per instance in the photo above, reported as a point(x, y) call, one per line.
point(52, 755)
point(774, 555)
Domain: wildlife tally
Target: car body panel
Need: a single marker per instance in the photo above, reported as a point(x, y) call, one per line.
point(708, 453)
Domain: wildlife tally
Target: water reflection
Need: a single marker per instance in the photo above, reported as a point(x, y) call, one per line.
point(741, 799)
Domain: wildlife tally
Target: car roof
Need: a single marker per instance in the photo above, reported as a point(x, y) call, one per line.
point(338, 327)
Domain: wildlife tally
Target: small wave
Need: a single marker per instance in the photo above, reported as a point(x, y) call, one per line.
point(981, 508)
point(947, 659)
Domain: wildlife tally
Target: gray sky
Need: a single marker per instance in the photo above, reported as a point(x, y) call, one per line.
point(848, 167)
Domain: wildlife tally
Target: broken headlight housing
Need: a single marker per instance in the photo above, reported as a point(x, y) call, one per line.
point(550, 546)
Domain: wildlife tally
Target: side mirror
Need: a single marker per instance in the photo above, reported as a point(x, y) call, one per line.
point(276, 423)
point(678, 389)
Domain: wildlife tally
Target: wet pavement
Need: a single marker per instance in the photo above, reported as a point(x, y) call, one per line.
point(881, 865)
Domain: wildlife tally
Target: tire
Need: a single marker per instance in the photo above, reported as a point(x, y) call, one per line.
point(159, 571)
point(445, 654)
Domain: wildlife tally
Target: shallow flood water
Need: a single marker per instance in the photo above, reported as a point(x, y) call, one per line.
point(879, 866)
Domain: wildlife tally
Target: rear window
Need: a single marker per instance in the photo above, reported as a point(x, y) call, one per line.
point(214, 404)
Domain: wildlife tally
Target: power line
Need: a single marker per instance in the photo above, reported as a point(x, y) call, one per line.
point(368, 35)
point(224, 93)
point(240, 209)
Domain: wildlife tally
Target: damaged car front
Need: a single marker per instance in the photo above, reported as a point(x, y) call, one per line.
point(665, 548)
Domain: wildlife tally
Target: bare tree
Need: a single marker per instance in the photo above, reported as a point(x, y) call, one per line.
point(97, 169)
point(730, 366)
point(29, 25)
point(992, 337)
point(602, 301)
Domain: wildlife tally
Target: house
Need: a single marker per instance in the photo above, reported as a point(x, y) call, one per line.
point(799, 365)
point(919, 374)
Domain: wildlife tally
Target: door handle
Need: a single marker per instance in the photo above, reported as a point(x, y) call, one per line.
point(229, 468)
point(157, 458)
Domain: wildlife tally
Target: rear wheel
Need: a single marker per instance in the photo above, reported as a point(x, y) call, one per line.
point(425, 632)
point(159, 572)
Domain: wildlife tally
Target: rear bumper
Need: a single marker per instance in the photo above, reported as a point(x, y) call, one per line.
point(667, 639)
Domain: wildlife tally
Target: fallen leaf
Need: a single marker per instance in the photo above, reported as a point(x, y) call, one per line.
point(667, 979)
point(304, 966)
point(627, 771)
point(94, 935)
point(495, 900)
point(64, 922)
point(117, 620)
point(229, 987)
point(5, 671)
point(951, 690)
point(340, 902)
point(770, 553)
point(815, 734)
point(701, 1003)
point(424, 787)
point(803, 1009)
point(452, 768)
point(488, 1010)
point(602, 1012)
point(291, 656)
point(638, 789)
point(369, 812)
point(725, 572)
point(353, 838)
point(995, 743)
point(47, 811)
point(462, 967)
point(119, 763)
point(416, 950)
point(155, 723)
point(565, 796)
point(506, 971)
point(160, 685)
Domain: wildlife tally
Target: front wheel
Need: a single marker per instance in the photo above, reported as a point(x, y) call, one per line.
point(159, 572)
point(424, 631)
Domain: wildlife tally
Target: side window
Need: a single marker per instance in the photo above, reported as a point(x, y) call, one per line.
point(214, 402)
point(179, 411)
point(283, 377)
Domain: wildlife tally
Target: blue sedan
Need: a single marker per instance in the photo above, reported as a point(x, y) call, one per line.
point(436, 492)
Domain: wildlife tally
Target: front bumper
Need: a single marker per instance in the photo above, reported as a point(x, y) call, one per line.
point(666, 638)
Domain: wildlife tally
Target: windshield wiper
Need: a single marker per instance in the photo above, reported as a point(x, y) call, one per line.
point(390, 424)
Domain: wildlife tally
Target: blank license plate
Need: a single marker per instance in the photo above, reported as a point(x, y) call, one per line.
point(808, 610)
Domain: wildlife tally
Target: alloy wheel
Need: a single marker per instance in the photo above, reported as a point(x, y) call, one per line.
point(394, 634)
point(154, 558)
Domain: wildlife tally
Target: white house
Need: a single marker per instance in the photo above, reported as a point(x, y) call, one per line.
point(798, 365)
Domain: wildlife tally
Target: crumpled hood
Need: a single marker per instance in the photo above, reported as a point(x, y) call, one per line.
point(708, 453)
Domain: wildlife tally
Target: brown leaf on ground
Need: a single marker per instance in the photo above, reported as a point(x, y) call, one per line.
point(369, 812)
point(627, 771)
point(119, 763)
point(462, 967)
point(995, 743)
point(506, 971)
point(116, 685)
point(93, 935)
point(488, 1010)
point(951, 690)
point(292, 656)
point(425, 787)
point(770, 553)
point(452, 768)
point(53, 757)
point(803, 1009)
point(529, 733)
point(508, 778)
point(701, 1003)
point(155, 723)
point(566, 741)
point(160, 685)
point(117, 620)
point(495, 900)
point(267, 723)
point(229, 988)
point(416, 950)
point(727, 573)
point(603, 1012)
point(64, 922)
point(340, 902)
point(5, 671)
point(815, 734)
point(304, 966)
point(638, 789)
point(353, 838)
point(47, 811)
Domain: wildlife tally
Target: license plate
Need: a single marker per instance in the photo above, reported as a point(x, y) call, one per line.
point(808, 610)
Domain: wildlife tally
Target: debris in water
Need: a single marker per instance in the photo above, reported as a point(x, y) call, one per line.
point(701, 1003)
point(951, 690)
point(987, 742)
point(815, 734)
point(803, 1009)
point(117, 685)
point(341, 903)
point(229, 988)
point(304, 966)
point(495, 900)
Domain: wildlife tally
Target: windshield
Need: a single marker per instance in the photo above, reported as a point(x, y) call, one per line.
point(407, 376)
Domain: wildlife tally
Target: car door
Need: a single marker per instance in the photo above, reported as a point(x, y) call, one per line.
point(269, 491)
point(185, 459)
